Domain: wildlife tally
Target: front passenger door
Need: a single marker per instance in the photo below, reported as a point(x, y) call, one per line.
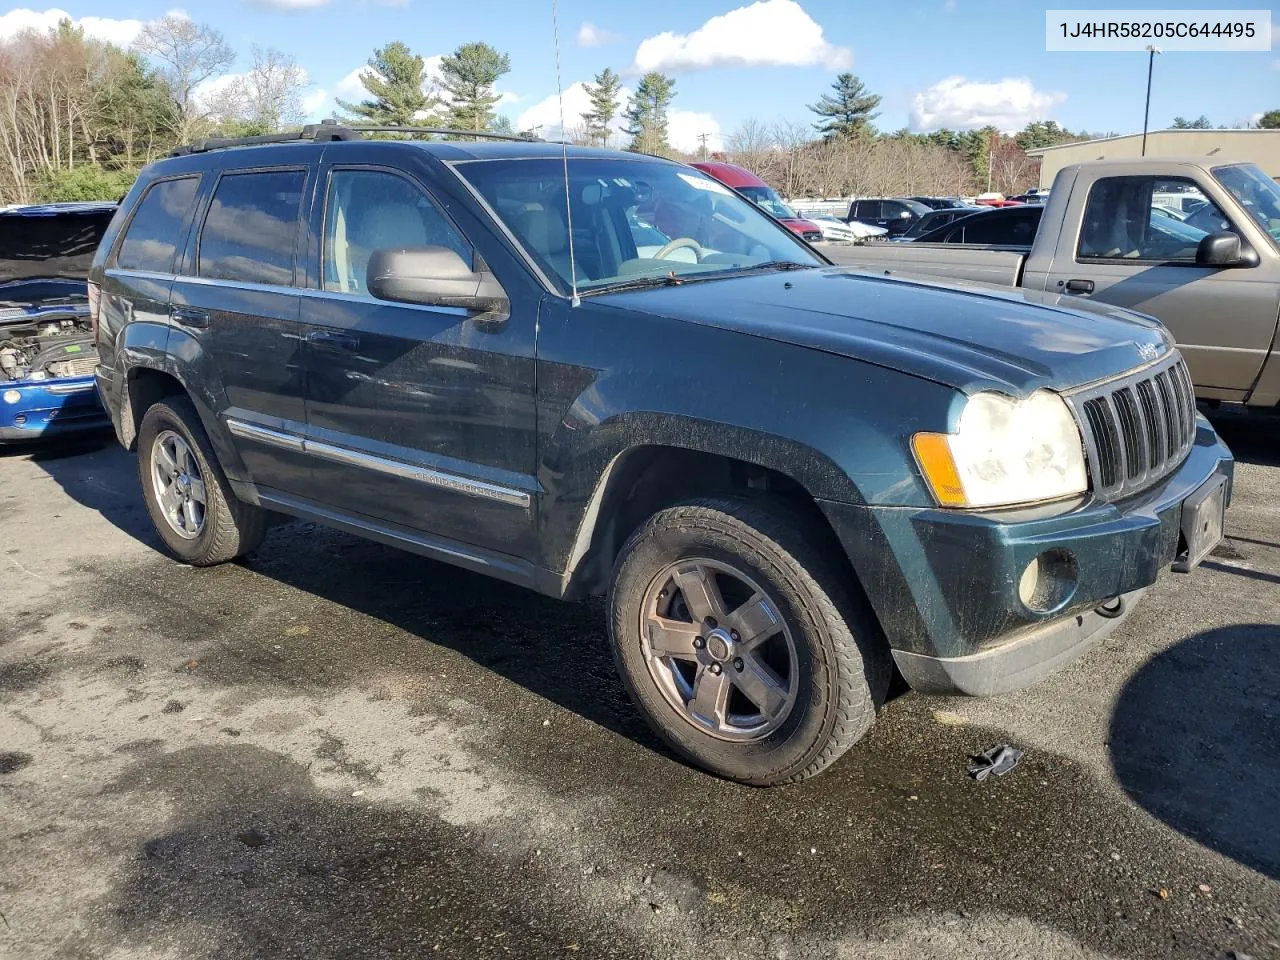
point(417, 416)
point(1133, 254)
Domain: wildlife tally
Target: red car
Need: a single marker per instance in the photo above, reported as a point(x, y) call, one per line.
point(762, 195)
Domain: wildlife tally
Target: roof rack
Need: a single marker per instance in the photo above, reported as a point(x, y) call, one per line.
point(330, 130)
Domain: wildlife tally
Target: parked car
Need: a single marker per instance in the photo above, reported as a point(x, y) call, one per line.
point(935, 219)
point(1213, 277)
point(1008, 226)
point(894, 215)
point(836, 230)
point(762, 195)
point(47, 354)
point(397, 339)
point(941, 203)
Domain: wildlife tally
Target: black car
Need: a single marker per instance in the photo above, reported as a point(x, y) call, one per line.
point(1003, 226)
point(938, 218)
point(941, 203)
point(896, 215)
point(786, 477)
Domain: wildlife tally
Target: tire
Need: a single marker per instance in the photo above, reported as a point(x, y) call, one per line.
point(227, 527)
point(830, 677)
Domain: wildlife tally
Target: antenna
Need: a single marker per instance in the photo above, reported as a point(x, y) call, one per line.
point(564, 155)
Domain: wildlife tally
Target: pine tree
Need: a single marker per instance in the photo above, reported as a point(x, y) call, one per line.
point(646, 114)
point(469, 75)
point(394, 81)
point(849, 113)
point(604, 105)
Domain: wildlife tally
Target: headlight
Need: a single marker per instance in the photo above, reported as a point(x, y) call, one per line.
point(1005, 451)
point(12, 396)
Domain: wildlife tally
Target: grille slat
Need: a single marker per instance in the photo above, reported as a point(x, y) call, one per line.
point(1138, 429)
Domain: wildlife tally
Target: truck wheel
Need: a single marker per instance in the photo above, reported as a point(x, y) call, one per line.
point(191, 504)
point(739, 644)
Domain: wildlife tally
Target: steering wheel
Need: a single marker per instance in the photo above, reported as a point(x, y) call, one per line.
point(677, 244)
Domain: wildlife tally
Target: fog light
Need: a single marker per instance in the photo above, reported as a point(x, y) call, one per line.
point(1048, 581)
point(12, 396)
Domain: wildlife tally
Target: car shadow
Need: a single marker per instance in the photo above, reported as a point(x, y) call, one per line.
point(1195, 740)
point(1253, 438)
point(97, 473)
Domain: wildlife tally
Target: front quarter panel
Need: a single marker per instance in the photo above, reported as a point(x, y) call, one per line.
point(612, 379)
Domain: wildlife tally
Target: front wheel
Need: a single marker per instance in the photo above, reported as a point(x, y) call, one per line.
point(190, 501)
point(739, 644)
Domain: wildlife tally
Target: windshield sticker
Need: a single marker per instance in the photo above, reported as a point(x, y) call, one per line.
point(704, 183)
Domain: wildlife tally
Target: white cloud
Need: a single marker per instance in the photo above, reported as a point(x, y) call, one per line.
point(313, 103)
point(120, 32)
point(546, 112)
point(962, 104)
point(589, 35)
point(350, 87)
point(684, 126)
point(769, 33)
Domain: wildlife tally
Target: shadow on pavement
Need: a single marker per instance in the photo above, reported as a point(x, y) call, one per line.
point(97, 473)
point(1195, 740)
point(1253, 438)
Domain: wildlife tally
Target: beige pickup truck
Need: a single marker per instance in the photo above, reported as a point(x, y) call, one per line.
point(1191, 241)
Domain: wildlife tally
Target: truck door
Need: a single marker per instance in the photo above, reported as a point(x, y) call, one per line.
point(1136, 248)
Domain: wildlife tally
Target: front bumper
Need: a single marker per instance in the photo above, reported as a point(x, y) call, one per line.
point(945, 584)
point(45, 408)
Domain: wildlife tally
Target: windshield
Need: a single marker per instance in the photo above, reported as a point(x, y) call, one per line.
point(632, 219)
point(767, 200)
point(1257, 193)
point(50, 245)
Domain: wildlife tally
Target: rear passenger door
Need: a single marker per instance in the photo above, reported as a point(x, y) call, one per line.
point(418, 416)
point(234, 314)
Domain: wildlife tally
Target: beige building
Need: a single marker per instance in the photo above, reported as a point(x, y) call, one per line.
point(1259, 146)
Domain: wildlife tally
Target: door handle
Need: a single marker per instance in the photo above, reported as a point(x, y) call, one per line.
point(327, 340)
point(189, 316)
point(1079, 286)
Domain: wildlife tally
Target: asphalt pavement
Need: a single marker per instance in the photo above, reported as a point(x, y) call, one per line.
point(334, 749)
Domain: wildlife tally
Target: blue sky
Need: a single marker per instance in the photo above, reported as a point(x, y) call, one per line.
point(935, 62)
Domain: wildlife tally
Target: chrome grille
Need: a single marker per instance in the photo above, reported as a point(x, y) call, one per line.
point(1137, 428)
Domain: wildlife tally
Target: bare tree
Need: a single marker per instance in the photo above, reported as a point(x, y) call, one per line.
point(266, 98)
point(187, 54)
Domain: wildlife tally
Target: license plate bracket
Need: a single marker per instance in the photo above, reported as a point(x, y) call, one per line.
point(1203, 523)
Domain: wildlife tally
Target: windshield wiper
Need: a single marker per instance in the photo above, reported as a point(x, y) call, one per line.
point(638, 283)
point(775, 265)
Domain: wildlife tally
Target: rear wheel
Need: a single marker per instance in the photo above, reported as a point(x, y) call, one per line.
point(190, 501)
point(739, 644)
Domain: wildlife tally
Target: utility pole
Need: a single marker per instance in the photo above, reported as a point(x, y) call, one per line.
point(702, 139)
point(1146, 116)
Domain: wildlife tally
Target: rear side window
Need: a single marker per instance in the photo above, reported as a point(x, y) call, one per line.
point(869, 209)
point(1014, 229)
point(151, 241)
point(251, 227)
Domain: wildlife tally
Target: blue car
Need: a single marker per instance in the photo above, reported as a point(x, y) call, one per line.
point(47, 354)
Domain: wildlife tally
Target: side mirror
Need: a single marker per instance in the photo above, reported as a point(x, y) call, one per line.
point(1223, 249)
point(434, 277)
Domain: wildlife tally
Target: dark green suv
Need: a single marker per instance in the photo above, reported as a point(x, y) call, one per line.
point(594, 372)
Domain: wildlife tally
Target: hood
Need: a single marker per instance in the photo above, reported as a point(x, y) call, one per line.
point(800, 225)
point(968, 337)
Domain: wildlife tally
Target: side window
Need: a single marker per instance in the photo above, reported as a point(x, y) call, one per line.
point(891, 210)
point(869, 209)
point(368, 210)
point(1146, 218)
point(1014, 229)
point(151, 241)
point(252, 225)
